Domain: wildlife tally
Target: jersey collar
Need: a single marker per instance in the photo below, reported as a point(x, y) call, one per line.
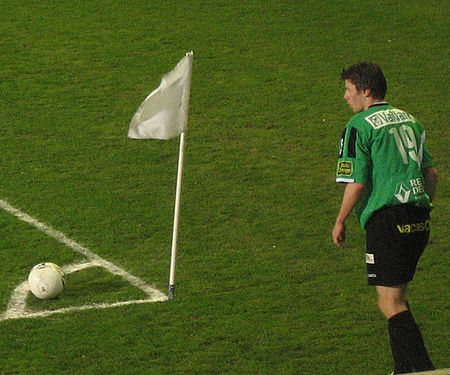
point(378, 104)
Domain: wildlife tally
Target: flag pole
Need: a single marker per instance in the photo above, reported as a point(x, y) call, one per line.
point(176, 216)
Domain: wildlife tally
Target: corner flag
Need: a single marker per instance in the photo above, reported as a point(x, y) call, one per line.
point(164, 115)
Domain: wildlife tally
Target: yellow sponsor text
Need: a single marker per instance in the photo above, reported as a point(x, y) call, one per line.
point(416, 227)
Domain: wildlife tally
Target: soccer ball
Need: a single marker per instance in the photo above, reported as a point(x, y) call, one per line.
point(46, 280)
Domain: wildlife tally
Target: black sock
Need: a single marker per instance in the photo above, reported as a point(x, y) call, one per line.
point(399, 350)
point(408, 348)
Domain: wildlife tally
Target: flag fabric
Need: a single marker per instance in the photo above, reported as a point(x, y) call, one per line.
point(164, 113)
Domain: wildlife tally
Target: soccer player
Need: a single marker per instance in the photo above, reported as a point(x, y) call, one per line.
point(390, 182)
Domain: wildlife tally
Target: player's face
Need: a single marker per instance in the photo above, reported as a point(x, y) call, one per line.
point(355, 99)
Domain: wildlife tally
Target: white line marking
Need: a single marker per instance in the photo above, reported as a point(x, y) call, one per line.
point(17, 306)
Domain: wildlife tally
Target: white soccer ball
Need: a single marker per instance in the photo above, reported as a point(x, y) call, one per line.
point(46, 280)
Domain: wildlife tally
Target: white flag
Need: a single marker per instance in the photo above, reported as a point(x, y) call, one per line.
point(164, 113)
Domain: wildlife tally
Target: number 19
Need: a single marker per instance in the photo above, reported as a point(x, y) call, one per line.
point(406, 143)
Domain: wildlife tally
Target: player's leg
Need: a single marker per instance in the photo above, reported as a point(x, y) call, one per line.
point(391, 258)
point(408, 348)
point(392, 303)
point(392, 300)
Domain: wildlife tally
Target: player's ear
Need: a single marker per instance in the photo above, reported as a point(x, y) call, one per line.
point(367, 93)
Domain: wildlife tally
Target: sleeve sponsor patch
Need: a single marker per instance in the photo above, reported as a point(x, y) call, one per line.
point(344, 168)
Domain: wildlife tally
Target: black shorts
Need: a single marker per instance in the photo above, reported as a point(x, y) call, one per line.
point(396, 238)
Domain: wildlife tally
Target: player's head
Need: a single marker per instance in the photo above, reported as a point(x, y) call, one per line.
point(367, 76)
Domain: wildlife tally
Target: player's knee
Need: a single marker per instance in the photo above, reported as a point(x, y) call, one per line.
point(391, 305)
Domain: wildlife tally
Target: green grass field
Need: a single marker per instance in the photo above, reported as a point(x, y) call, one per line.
point(261, 288)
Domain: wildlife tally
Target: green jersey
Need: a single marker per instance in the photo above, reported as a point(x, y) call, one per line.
point(384, 149)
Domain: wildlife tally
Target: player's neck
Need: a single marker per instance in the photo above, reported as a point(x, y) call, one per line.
point(372, 101)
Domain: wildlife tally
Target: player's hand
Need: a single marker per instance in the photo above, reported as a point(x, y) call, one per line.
point(339, 234)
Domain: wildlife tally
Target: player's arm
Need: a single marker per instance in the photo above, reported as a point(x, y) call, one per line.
point(431, 179)
point(352, 194)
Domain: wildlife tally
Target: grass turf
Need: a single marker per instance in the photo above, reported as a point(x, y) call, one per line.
point(260, 287)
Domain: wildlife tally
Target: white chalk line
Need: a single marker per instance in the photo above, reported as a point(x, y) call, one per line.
point(17, 306)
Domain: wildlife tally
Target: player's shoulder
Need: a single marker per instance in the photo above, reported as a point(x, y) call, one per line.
point(359, 120)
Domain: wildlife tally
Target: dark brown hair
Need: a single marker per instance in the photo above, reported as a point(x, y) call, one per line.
point(367, 76)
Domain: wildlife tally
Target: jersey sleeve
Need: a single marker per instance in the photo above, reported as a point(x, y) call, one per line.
point(354, 157)
point(427, 160)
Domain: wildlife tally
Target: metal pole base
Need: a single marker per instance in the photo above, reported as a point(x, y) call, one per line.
point(171, 291)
